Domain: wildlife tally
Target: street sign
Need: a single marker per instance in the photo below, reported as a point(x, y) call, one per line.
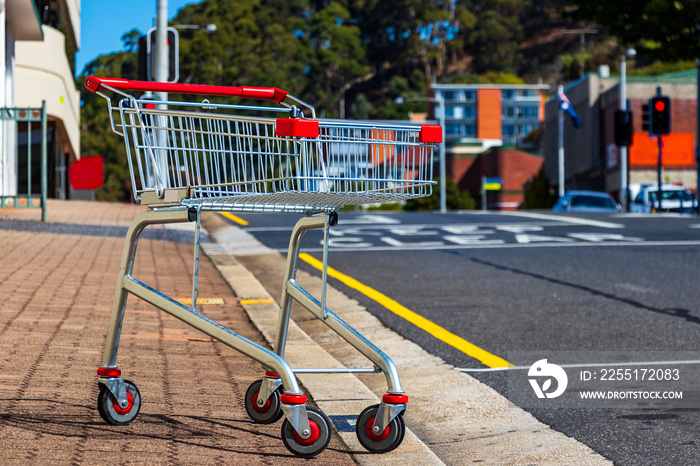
point(493, 184)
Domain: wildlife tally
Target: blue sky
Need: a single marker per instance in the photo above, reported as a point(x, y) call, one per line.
point(103, 22)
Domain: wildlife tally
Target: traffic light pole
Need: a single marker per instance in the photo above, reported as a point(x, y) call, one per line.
point(624, 181)
point(161, 49)
point(659, 191)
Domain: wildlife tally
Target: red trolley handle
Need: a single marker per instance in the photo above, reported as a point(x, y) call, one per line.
point(94, 84)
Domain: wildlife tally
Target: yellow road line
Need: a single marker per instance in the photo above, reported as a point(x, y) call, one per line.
point(419, 321)
point(235, 218)
point(188, 301)
point(245, 302)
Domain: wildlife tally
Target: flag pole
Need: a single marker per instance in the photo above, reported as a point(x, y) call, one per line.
point(561, 145)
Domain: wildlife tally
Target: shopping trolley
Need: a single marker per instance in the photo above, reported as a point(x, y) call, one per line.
point(186, 157)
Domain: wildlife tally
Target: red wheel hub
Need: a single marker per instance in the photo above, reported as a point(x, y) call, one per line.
point(312, 438)
point(374, 437)
point(119, 409)
point(259, 409)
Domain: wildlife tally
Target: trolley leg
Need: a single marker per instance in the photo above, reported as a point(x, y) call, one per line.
point(292, 290)
point(303, 225)
point(127, 284)
point(150, 217)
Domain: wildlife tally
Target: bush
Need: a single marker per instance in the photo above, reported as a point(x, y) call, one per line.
point(538, 193)
point(454, 199)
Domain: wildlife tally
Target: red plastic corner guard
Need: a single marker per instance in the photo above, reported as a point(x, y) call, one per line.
point(293, 399)
point(430, 134)
point(109, 372)
point(298, 128)
point(395, 399)
point(87, 173)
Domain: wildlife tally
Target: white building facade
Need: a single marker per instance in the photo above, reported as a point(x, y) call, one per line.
point(41, 38)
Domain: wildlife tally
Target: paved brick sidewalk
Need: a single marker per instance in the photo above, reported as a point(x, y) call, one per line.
point(56, 292)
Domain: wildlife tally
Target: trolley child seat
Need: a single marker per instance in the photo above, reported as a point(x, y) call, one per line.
point(186, 157)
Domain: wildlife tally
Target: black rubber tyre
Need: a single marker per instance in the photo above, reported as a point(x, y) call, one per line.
point(268, 414)
point(390, 439)
point(111, 412)
point(320, 435)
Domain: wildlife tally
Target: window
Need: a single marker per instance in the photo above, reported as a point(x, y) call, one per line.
point(458, 112)
point(592, 201)
point(530, 112)
point(448, 95)
point(508, 130)
point(454, 112)
point(508, 94)
point(470, 95)
point(454, 130)
point(470, 131)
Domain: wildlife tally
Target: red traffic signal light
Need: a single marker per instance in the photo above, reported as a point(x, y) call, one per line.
point(660, 115)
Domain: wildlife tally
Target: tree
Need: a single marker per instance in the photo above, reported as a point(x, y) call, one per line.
point(538, 193)
point(496, 34)
point(664, 29)
point(131, 40)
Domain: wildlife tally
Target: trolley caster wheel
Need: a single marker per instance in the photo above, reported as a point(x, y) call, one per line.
point(268, 414)
point(316, 443)
point(384, 442)
point(110, 410)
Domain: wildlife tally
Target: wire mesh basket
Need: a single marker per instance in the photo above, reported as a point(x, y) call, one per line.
point(228, 161)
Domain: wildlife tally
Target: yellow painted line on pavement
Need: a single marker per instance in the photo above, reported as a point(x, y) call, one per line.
point(419, 321)
point(188, 301)
point(245, 302)
point(235, 218)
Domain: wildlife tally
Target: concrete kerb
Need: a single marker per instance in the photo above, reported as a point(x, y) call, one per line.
point(469, 421)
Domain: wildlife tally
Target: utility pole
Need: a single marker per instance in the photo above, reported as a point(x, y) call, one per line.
point(624, 157)
point(161, 75)
point(659, 192)
point(562, 179)
point(161, 49)
point(440, 100)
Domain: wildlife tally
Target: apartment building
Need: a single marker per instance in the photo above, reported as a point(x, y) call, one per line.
point(485, 136)
point(479, 116)
point(41, 38)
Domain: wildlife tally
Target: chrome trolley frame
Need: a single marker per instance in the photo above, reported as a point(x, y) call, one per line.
point(186, 157)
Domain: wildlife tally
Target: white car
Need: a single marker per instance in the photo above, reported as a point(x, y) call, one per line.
point(674, 198)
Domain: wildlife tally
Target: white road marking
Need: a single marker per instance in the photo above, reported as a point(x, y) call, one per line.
point(593, 364)
point(487, 245)
point(565, 219)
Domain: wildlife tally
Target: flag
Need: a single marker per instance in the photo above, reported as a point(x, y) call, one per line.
point(565, 105)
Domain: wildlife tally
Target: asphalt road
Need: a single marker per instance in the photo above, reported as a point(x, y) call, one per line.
point(537, 282)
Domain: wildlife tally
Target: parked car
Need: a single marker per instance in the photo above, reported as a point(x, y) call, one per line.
point(586, 201)
point(674, 198)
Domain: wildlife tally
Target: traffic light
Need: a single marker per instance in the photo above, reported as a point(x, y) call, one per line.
point(623, 128)
point(645, 117)
point(660, 115)
point(147, 56)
